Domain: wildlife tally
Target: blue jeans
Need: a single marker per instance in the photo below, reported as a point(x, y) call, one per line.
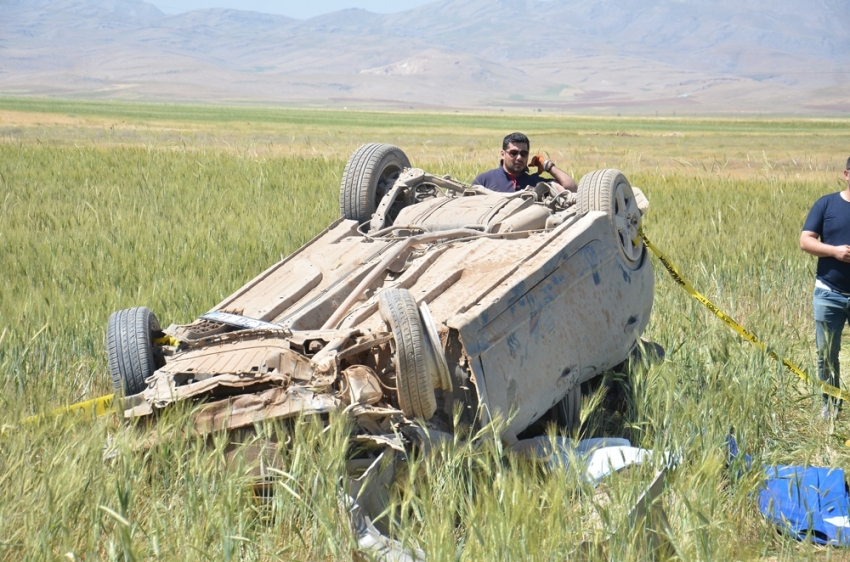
point(832, 311)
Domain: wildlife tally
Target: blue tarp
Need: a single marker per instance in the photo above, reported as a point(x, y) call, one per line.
point(809, 503)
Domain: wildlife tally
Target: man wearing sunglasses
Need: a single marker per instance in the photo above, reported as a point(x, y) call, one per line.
point(826, 234)
point(512, 173)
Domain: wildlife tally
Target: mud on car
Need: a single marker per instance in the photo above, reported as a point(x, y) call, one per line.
point(428, 294)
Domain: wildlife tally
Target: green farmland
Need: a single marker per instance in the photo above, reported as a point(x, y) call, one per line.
point(105, 206)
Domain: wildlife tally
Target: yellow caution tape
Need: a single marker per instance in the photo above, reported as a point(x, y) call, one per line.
point(749, 336)
point(103, 404)
point(167, 340)
point(100, 406)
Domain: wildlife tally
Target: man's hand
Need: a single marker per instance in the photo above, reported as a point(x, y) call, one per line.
point(561, 177)
point(537, 161)
point(810, 243)
point(842, 253)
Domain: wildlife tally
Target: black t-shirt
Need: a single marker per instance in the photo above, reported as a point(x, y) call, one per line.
point(830, 220)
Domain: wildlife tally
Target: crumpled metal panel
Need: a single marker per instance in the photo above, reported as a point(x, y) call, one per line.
point(274, 403)
point(232, 364)
point(163, 390)
point(235, 357)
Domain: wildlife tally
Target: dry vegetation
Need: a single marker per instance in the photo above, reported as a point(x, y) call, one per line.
point(107, 206)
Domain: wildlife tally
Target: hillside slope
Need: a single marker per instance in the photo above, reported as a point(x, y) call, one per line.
point(578, 55)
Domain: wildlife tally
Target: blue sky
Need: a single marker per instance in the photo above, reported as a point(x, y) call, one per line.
point(292, 8)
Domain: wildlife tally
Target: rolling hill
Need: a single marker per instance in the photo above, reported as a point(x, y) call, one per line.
point(690, 56)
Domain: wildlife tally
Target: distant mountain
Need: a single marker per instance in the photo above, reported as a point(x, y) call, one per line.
point(691, 56)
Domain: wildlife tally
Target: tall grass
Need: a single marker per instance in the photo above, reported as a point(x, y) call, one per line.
point(142, 218)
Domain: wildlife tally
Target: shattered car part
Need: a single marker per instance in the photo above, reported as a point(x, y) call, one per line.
point(512, 315)
point(428, 293)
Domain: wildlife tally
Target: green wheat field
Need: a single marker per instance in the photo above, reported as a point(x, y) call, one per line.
point(108, 205)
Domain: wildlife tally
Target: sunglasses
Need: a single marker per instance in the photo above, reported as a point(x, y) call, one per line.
point(514, 153)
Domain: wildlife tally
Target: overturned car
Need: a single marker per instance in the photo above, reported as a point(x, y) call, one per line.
point(429, 302)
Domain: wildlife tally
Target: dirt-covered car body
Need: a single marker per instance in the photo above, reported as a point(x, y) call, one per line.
point(429, 295)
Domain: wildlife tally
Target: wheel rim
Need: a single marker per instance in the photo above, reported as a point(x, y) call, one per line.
point(388, 178)
point(626, 221)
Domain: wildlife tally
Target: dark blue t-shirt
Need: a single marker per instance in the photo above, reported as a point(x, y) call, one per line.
point(830, 220)
point(500, 180)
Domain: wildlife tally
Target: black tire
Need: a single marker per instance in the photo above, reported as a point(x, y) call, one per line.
point(568, 410)
point(129, 343)
point(610, 192)
point(369, 174)
point(412, 363)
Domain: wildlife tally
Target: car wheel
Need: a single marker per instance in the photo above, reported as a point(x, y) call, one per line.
point(414, 379)
point(129, 343)
point(610, 192)
point(568, 410)
point(369, 174)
